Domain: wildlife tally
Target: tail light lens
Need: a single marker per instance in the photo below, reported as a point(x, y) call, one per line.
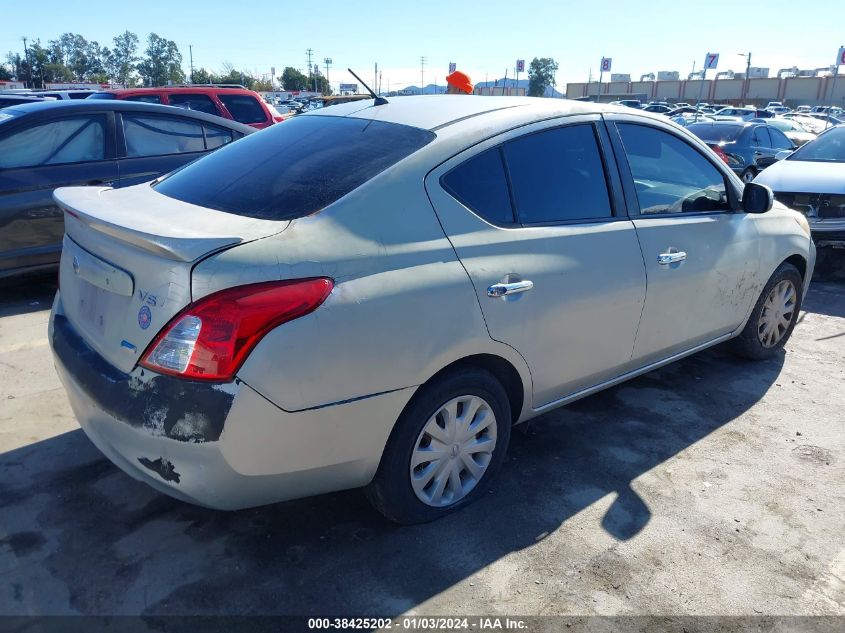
point(720, 153)
point(210, 339)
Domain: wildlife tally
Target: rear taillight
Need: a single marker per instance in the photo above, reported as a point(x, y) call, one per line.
point(210, 339)
point(720, 152)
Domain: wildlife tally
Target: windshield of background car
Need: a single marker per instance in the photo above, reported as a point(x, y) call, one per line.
point(295, 168)
point(827, 148)
point(715, 133)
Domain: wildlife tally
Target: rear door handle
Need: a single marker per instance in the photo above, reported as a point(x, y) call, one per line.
point(502, 290)
point(665, 259)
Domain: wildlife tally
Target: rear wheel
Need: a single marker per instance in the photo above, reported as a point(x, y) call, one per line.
point(774, 316)
point(446, 446)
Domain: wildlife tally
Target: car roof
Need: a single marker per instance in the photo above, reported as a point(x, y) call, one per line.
point(433, 112)
point(194, 89)
point(45, 109)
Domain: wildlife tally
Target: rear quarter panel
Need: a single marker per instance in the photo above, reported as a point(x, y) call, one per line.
point(402, 308)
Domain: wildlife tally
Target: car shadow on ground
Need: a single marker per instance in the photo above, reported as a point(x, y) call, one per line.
point(825, 297)
point(82, 536)
point(22, 295)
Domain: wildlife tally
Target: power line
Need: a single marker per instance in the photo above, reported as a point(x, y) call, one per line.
point(311, 78)
point(423, 60)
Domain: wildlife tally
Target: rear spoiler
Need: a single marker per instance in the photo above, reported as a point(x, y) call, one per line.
point(160, 225)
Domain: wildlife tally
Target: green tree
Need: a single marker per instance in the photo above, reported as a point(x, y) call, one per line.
point(121, 60)
point(19, 67)
point(260, 84)
point(202, 76)
point(541, 75)
point(162, 63)
point(5, 73)
point(292, 79)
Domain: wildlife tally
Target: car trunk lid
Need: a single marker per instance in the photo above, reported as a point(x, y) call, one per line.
point(127, 260)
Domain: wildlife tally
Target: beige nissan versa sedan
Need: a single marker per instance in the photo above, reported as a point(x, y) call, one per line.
point(375, 293)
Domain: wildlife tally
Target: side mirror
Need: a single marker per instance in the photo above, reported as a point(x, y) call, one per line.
point(783, 154)
point(757, 198)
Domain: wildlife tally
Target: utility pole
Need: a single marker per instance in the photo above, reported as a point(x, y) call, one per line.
point(375, 77)
point(379, 83)
point(423, 60)
point(191, 53)
point(309, 54)
point(328, 62)
point(28, 65)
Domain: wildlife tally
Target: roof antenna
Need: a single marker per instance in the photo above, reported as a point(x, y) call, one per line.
point(379, 100)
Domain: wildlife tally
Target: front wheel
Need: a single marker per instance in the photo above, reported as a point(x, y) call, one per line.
point(446, 446)
point(774, 316)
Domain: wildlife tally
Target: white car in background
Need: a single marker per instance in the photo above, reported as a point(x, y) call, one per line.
point(379, 311)
point(812, 180)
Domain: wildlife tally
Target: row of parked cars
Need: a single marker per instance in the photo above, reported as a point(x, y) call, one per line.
point(112, 138)
point(799, 153)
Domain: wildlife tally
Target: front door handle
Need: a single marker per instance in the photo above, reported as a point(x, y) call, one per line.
point(502, 289)
point(665, 259)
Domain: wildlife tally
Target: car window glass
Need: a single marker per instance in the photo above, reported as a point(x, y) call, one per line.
point(268, 175)
point(670, 175)
point(244, 108)
point(156, 136)
point(200, 103)
point(557, 175)
point(761, 137)
point(145, 98)
point(216, 136)
point(71, 140)
point(779, 140)
point(481, 185)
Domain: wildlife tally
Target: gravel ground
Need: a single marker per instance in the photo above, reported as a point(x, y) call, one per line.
point(712, 486)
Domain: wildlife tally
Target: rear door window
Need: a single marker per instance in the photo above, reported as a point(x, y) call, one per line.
point(197, 102)
point(145, 98)
point(216, 136)
point(481, 185)
point(157, 136)
point(779, 140)
point(557, 176)
point(761, 137)
point(294, 169)
point(71, 140)
point(244, 108)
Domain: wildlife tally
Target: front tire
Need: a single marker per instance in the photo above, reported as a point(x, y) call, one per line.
point(773, 317)
point(446, 447)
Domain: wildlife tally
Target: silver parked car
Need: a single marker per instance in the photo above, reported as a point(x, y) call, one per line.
point(381, 310)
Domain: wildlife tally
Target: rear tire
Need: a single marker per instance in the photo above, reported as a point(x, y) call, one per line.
point(456, 431)
point(773, 317)
point(748, 175)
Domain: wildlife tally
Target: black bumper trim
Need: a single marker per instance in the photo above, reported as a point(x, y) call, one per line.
point(184, 410)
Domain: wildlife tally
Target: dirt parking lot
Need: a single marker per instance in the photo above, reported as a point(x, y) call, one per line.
point(712, 486)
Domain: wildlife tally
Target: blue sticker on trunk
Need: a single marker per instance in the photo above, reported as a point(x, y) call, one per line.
point(145, 317)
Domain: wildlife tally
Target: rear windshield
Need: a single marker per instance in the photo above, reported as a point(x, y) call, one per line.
point(101, 95)
point(295, 168)
point(715, 133)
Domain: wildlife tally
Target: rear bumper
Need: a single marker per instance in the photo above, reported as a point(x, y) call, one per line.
point(261, 454)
